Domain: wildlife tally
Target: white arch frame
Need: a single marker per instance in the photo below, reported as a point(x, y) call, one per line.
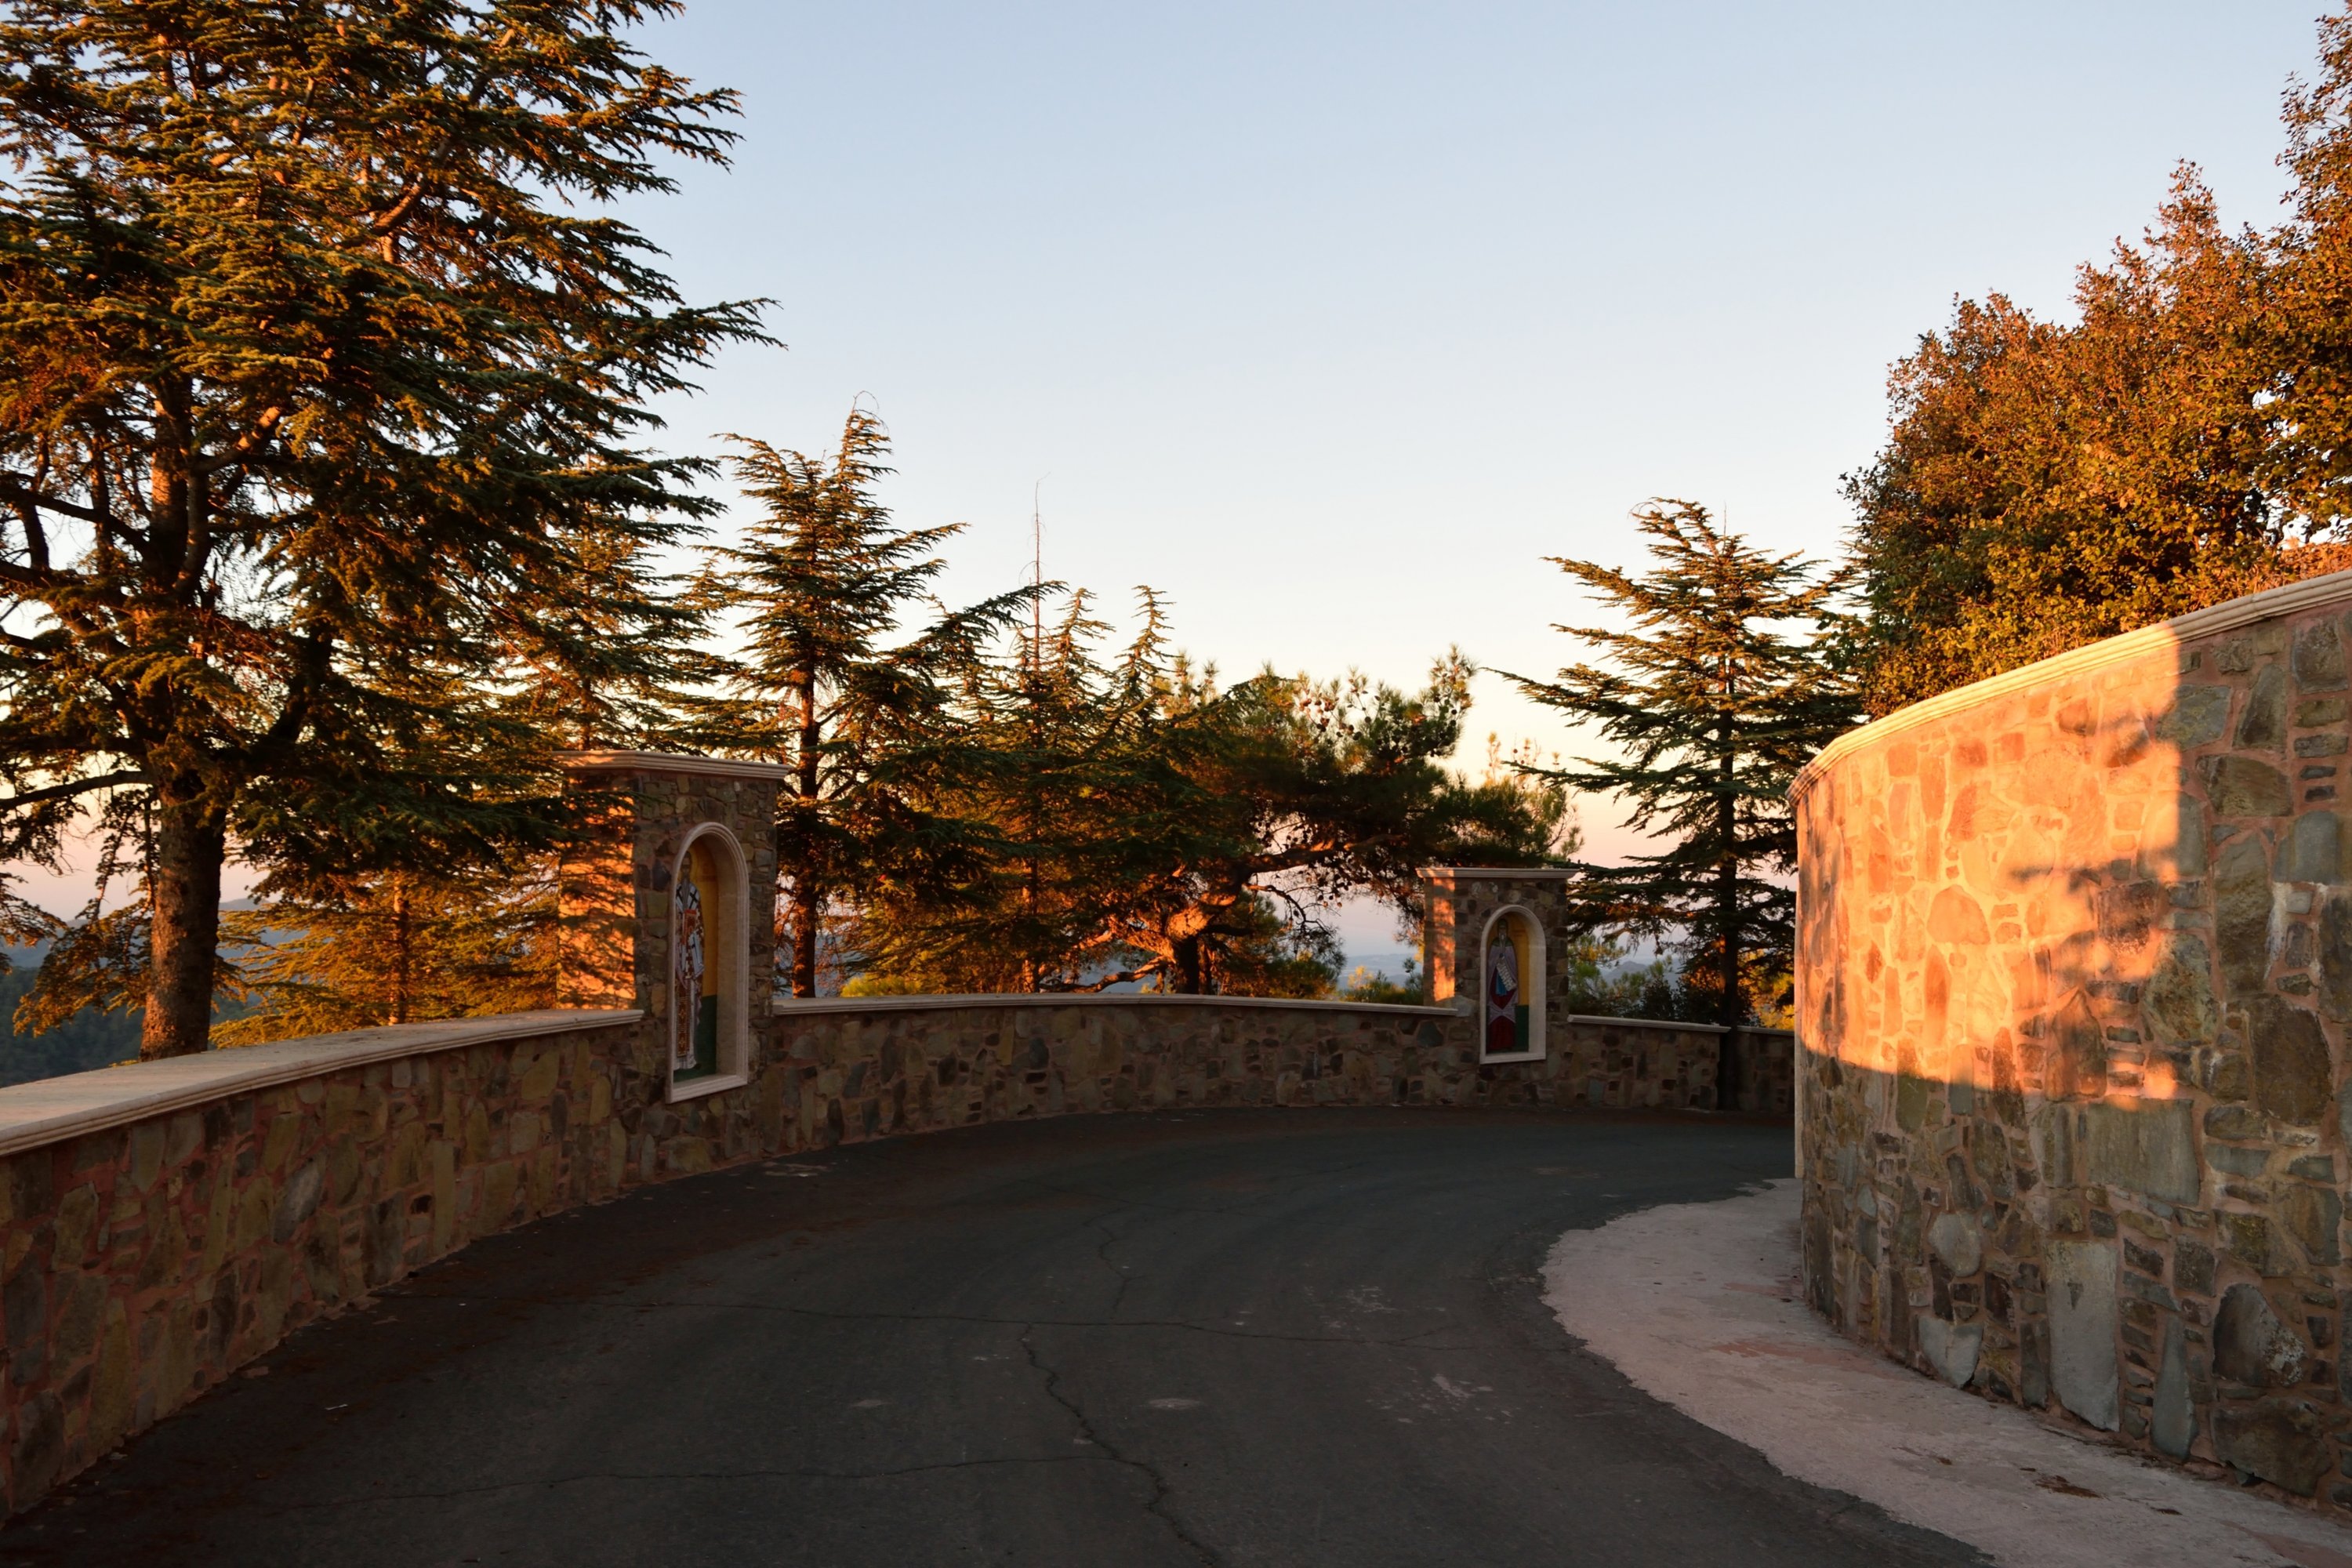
point(1538, 974)
point(729, 945)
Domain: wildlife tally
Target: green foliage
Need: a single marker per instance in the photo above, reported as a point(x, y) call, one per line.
point(1070, 794)
point(392, 949)
point(860, 712)
point(1716, 691)
point(320, 383)
point(1375, 986)
point(78, 1043)
point(1143, 823)
point(2187, 438)
point(2045, 486)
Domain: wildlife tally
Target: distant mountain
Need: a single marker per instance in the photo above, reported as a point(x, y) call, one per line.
point(88, 1039)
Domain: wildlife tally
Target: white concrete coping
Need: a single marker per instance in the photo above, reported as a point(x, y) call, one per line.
point(2271, 603)
point(786, 1007)
point(800, 1006)
point(671, 763)
point(51, 1110)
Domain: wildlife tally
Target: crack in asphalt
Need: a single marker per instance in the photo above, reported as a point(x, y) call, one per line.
point(1157, 1504)
point(1102, 1256)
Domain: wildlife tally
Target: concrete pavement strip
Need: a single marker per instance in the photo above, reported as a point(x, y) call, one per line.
point(1698, 1305)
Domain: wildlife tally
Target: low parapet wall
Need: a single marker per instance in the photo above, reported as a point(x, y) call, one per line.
point(2075, 966)
point(893, 1064)
point(166, 1223)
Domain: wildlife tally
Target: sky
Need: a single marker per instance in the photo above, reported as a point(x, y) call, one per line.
point(1332, 322)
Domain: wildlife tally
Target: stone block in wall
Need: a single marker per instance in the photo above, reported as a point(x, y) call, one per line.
point(2147, 1146)
point(2282, 1441)
point(2083, 1324)
point(2292, 1078)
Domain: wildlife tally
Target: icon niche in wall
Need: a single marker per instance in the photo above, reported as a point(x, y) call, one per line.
point(1513, 1010)
point(707, 1014)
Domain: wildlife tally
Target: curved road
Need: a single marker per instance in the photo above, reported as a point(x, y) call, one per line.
point(1211, 1337)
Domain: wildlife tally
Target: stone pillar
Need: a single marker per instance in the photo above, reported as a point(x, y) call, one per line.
point(1459, 901)
point(614, 887)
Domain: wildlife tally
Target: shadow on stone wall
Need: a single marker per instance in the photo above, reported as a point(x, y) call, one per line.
point(2074, 960)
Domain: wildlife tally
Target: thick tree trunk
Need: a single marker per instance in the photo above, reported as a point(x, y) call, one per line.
point(1731, 1014)
point(184, 906)
point(1189, 976)
point(807, 901)
point(401, 957)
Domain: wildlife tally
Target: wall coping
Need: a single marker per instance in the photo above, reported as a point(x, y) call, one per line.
point(670, 763)
point(790, 1007)
point(785, 1006)
point(2288, 599)
point(51, 1110)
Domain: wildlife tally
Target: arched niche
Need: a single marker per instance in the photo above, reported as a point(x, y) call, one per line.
point(1510, 1005)
point(706, 1016)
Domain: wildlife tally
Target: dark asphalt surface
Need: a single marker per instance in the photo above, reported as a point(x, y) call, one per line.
point(1235, 1337)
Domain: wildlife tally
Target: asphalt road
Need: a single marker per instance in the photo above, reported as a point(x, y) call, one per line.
point(1285, 1337)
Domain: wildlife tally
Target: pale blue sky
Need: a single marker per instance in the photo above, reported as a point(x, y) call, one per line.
point(1331, 320)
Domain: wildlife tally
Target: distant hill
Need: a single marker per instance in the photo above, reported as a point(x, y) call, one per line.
point(88, 1039)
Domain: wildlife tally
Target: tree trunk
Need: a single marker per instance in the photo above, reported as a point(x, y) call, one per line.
point(183, 883)
point(1186, 951)
point(807, 901)
point(1729, 1013)
point(400, 952)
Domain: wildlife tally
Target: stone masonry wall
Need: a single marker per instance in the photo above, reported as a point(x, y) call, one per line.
point(164, 1223)
point(869, 1067)
point(1458, 901)
point(2074, 970)
point(147, 1261)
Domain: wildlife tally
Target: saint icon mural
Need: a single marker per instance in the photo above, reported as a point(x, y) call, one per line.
point(1507, 1016)
point(1511, 975)
point(694, 981)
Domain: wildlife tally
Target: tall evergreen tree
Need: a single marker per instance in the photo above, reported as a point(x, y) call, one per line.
point(397, 947)
point(312, 371)
point(1076, 802)
point(1150, 824)
point(1716, 691)
point(859, 708)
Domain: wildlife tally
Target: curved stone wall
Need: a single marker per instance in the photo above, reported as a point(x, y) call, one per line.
point(2074, 968)
point(164, 1223)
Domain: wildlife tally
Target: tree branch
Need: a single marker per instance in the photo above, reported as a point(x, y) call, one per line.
point(78, 786)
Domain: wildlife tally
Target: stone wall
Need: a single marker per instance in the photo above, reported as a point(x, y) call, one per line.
point(1459, 902)
point(2074, 965)
point(869, 1067)
point(164, 1223)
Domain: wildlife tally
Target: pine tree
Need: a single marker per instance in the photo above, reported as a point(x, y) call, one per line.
point(1049, 786)
point(312, 370)
point(1152, 825)
point(394, 948)
point(858, 710)
point(1715, 695)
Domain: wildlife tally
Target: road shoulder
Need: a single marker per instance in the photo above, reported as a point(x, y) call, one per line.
point(1697, 1305)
